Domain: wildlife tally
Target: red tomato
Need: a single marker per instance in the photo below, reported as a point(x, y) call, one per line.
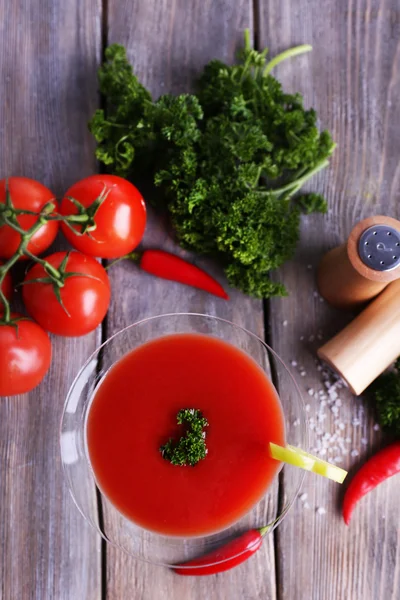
point(26, 194)
point(25, 355)
point(119, 222)
point(7, 286)
point(85, 299)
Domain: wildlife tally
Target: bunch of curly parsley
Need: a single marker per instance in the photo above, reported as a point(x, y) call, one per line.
point(230, 160)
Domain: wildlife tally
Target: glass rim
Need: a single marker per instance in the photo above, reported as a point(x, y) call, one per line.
point(283, 511)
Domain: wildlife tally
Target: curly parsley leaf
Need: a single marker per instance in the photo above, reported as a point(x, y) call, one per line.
point(386, 391)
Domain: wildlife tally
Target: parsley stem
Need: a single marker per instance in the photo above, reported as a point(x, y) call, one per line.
point(284, 55)
point(294, 186)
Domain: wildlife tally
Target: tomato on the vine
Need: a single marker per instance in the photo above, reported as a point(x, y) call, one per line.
point(84, 294)
point(7, 286)
point(25, 356)
point(30, 195)
point(116, 226)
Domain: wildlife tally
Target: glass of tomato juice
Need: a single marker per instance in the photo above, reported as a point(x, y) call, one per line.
point(122, 409)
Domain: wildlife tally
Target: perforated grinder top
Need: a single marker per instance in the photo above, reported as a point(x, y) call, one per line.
point(379, 248)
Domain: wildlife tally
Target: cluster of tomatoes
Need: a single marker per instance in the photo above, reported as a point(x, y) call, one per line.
point(65, 293)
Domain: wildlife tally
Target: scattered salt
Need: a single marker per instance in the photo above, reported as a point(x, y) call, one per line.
point(307, 407)
point(376, 427)
point(354, 453)
point(293, 363)
point(303, 497)
point(364, 441)
point(321, 511)
point(284, 323)
point(309, 267)
point(310, 392)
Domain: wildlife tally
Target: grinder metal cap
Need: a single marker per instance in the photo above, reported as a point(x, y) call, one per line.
point(379, 247)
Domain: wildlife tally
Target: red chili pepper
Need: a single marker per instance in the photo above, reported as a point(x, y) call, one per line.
point(168, 266)
point(231, 554)
point(379, 467)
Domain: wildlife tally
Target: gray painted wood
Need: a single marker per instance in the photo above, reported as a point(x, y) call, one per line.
point(168, 43)
point(352, 79)
point(48, 56)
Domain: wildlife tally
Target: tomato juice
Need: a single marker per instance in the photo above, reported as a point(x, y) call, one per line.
point(133, 413)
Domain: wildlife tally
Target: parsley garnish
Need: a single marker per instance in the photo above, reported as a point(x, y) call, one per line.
point(386, 390)
point(229, 160)
point(191, 447)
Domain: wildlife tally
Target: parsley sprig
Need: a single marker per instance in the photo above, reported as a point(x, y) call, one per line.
point(386, 390)
point(191, 447)
point(230, 160)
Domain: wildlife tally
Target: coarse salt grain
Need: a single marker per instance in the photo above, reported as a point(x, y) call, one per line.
point(321, 511)
point(284, 323)
point(310, 392)
point(309, 267)
point(303, 497)
point(307, 407)
point(364, 441)
point(354, 453)
point(293, 363)
point(303, 373)
point(306, 505)
point(376, 427)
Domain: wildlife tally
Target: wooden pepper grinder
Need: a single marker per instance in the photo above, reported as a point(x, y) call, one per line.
point(351, 274)
point(369, 344)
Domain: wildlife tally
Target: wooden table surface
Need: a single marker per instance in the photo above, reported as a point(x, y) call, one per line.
point(49, 53)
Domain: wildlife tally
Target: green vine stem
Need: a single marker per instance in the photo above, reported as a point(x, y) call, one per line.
point(26, 237)
point(8, 217)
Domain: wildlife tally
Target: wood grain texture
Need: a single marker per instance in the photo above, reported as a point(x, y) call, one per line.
point(352, 78)
point(168, 43)
point(48, 56)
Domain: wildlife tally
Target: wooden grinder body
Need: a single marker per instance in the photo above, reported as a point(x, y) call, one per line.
point(344, 280)
point(369, 344)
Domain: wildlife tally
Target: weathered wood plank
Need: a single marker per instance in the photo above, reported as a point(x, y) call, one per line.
point(169, 42)
point(352, 79)
point(49, 52)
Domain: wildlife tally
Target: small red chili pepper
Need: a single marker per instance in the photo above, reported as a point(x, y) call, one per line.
point(226, 557)
point(168, 266)
point(379, 467)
